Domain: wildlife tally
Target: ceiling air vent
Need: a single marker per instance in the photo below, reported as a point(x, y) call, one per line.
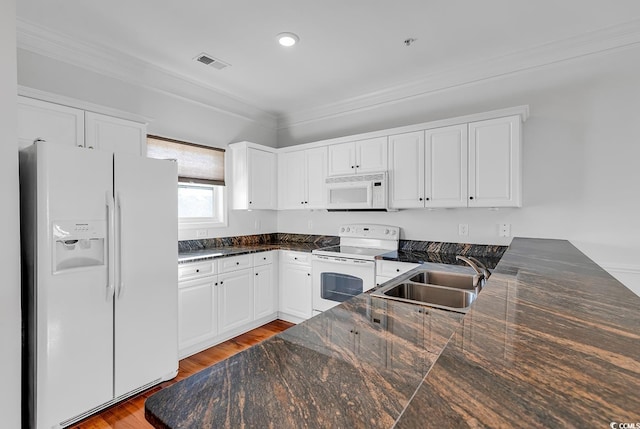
point(210, 61)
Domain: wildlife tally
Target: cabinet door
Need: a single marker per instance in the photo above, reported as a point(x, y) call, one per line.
point(406, 170)
point(197, 312)
point(235, 299)
point(446, 167)
point(114, 134)
point(264, 294)
point(371, 155)
point(316, 175)
point(494, 163)
point(262, 179)
point(49, 122)
point(295, 290)
point(342, 159)
point(291, 180)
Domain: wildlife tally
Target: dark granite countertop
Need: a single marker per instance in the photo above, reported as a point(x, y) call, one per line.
point(552, 341)
point(221, 252)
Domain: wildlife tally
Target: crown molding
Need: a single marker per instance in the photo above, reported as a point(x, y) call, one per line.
point(109, 62)
point(596, 42)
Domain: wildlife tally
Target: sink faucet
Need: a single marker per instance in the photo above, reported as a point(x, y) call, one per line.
point(477, 266)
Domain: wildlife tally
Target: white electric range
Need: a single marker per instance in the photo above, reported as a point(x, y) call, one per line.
point(348, 269)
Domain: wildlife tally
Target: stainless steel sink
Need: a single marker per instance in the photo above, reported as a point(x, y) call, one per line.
point(454, 280)
point(436, 296)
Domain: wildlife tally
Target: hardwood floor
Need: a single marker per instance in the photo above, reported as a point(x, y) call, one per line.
point(130, 413)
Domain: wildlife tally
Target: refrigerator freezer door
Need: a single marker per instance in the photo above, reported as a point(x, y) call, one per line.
point(73, 309)
point(146, 339)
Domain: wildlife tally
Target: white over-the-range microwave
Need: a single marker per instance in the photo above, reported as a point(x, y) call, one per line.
point(357, 192)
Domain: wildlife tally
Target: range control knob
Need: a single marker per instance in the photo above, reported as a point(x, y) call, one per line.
point(386, 231)
point(393, 232)
point(342, 229)
point(348, 229)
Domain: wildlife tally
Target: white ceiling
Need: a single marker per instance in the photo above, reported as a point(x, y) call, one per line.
point(348, 49)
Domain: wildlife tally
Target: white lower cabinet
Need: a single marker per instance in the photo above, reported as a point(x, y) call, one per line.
point(264, 292)
point(223, 298)
point(197, 305)
point(235, 299)
point(295, 286)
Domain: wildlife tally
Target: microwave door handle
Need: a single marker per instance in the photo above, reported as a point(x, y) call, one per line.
point(369, 194)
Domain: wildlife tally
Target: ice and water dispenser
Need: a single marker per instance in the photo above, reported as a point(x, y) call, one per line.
point(78, 244)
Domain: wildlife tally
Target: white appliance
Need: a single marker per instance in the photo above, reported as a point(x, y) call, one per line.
point(99, 238)
point(357, 192)
point(344, 271)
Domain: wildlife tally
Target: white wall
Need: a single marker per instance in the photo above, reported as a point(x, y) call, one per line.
point(172, 116)
point(581, 152)
point(10, 336)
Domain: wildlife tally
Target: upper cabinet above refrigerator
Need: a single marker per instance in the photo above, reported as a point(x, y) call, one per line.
point(54, 123)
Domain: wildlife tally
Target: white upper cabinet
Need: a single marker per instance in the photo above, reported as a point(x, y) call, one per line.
point(291, 180)
point(114, 134)
point(371, 155)
point(494, 163)
point(55, 123)
point(301, 177)
point(40, 120)
point(406, 170)
point(254, 176)
point(316, 162)
point(342, 159)
point(262, 179)
point(363, 156)
point(446, 167)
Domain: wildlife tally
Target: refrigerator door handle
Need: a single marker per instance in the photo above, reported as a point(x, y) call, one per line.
point(119, 264)
point(110, 245)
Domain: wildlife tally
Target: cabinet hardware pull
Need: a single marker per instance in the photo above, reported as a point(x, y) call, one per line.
point(357, 166)
point(256, 274)
point(197, 271)
point(470, 198)
point(90, 147)
point(420, 199)
point(397, 270)
point(41, 140)
point(427, 198)
point(353, 166)
point(221, 282)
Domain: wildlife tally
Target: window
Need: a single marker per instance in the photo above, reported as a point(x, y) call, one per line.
point(201, 190)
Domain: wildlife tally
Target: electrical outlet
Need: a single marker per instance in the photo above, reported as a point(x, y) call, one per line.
point(463, 229)
point(504, 230)
point(201, 233)
point(257, 224)
point(310, 224)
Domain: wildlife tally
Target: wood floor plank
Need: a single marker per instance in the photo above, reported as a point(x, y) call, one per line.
point(129, 414)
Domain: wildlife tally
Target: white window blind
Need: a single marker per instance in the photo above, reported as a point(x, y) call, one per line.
point(196, 163)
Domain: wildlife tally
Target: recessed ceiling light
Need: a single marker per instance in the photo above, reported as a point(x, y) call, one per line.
point(287, 39)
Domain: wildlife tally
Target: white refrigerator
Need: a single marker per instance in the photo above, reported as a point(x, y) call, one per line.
point(99, 251)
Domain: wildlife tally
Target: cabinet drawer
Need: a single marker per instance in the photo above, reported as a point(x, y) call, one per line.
point(193, 270)
point(262, 258)
point(235, 263)
point(301, 258)
point(392, 268)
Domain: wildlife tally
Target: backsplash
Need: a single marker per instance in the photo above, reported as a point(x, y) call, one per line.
point(476, 250)
point(256, 240)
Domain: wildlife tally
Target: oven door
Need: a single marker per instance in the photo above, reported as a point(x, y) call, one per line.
point(337, 279)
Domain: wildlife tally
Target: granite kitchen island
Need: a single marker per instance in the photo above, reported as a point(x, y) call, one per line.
point(552, 341)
